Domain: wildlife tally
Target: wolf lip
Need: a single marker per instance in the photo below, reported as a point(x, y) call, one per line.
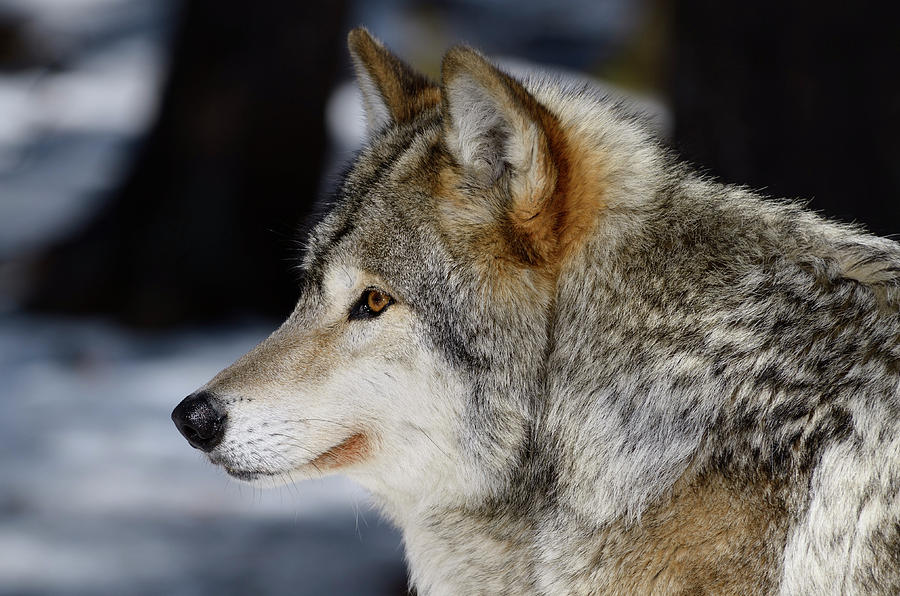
point(245, 474)
point(242, 474)
point(236, 472)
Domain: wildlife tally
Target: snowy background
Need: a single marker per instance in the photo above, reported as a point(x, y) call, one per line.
point(66, 131)
point(98, 492)
point(100, 495)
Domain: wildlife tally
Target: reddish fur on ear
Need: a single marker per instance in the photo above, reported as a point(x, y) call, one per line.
point(564, 220)
point(402, 91)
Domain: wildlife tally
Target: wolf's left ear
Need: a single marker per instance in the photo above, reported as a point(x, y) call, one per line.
point(392, 91)
point(492, 126)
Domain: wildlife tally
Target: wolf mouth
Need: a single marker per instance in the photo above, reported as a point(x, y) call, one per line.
point(247, 475)
point(348, 451)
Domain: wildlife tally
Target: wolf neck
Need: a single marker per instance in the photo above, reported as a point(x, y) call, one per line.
point(460, 542)
point(486, 520)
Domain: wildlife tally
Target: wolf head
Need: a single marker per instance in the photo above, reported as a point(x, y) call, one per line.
point(414, 358)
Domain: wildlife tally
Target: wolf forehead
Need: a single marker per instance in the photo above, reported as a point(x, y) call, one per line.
point(378, 228)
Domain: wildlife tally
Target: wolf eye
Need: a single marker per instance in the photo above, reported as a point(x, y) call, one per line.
point(371, 304)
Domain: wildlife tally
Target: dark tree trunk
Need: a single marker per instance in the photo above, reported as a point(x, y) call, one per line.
point(801, 100)
point(203, 228)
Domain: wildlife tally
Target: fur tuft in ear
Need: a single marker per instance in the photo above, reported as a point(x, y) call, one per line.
point(392, 91)
point(492, 126)
point(503, 139)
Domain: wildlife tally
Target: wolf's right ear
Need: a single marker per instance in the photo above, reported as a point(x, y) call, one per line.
point(392, 91)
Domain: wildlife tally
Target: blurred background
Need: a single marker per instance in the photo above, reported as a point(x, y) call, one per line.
point(159, 159)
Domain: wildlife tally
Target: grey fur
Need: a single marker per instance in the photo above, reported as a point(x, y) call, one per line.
point(703, 345)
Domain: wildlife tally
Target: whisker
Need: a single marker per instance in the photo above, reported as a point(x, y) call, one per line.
point(292, 442)
point(427, 436)
point(335, 422)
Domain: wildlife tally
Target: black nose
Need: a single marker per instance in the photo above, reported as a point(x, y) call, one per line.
point(197, 418)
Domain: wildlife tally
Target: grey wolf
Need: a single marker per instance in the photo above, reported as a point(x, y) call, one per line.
point(565, 363)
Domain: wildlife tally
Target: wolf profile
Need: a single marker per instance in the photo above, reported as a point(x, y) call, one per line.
point(564, 363)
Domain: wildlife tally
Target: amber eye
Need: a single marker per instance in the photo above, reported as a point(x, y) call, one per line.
point(377, 300)
point(371, 304)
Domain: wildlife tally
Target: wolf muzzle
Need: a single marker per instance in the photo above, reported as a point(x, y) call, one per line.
point(198, 419)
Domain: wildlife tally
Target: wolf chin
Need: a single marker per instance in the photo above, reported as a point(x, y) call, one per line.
point(565, 363)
